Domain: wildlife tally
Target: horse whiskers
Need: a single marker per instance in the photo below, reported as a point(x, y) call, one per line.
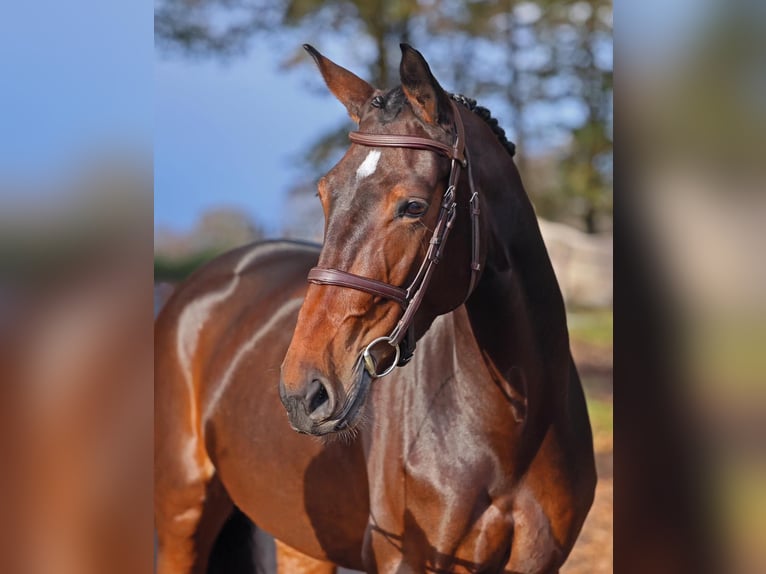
point(365, 422)
point(346, 436)
point(349, 435)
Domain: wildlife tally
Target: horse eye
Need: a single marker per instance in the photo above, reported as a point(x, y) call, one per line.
point(414, 208)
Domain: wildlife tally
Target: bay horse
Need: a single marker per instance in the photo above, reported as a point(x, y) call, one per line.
point(471, 452)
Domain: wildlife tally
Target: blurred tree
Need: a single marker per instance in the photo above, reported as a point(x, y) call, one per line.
point(176, 254)
point(547, 65)
point(217, 230)
point(584, 55)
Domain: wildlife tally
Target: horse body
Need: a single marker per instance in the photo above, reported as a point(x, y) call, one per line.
point(311, 496)
point(217, 405)
point(474, 457)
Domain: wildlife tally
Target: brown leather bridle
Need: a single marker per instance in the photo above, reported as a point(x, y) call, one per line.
point(402, 338)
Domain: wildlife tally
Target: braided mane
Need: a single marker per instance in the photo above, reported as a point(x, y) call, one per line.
point(392, 102)
point(486, 115)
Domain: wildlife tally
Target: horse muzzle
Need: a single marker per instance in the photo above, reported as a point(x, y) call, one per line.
point(312, 410)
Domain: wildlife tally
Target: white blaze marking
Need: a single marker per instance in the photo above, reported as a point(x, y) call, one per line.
point(368, 166)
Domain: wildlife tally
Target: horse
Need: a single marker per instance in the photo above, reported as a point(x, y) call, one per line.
point(425, 364)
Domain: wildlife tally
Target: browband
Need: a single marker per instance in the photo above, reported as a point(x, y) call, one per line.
point(414, 142)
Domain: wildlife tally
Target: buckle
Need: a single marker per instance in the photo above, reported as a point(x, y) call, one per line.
point(449, 197)
point(474, 202)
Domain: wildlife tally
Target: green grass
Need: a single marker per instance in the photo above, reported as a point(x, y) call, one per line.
point(740, 499)
point(594, 327)
point(728, 356)
point(601, 417)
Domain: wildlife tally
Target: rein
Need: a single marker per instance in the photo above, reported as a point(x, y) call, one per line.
point(402, 338)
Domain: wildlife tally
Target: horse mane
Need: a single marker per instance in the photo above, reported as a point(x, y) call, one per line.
point(392, 102)
point(486, 115)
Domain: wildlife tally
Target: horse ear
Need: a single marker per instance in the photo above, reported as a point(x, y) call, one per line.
point(427, 98)
point(351, 91)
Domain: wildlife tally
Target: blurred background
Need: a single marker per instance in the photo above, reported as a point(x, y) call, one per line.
point(76, 390)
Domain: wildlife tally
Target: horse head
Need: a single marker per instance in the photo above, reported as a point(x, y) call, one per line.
point(385, 271)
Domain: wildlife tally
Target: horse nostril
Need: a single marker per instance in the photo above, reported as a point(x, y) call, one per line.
point(319, 397)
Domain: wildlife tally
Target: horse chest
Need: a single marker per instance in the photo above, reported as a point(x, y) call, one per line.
point(438, 484)
point(446, 517)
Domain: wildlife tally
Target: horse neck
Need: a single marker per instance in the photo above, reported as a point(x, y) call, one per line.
point(518, 297)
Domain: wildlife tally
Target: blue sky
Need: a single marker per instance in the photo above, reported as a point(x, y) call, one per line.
point(77, 79)
point(230, 135)
point(82, 78)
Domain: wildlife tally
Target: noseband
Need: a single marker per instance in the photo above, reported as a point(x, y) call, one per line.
point(402, 338)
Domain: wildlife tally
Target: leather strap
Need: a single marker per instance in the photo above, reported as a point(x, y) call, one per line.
point(473, 204)
point(417, 289)
point(414, 142)
point(322, 276)
point(455, 152)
